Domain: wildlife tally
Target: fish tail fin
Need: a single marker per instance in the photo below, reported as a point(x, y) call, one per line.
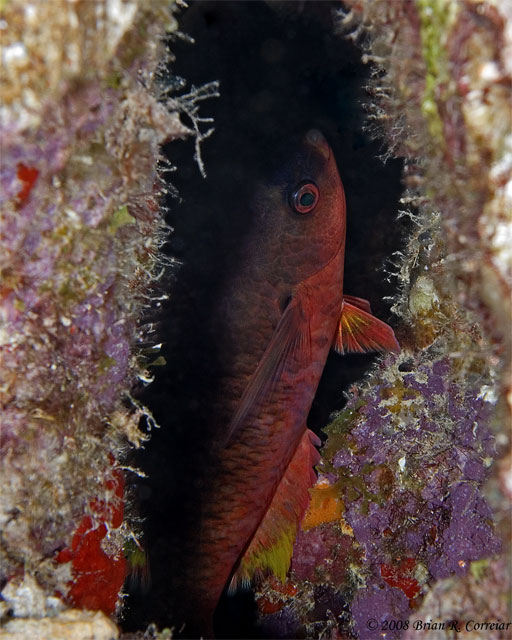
point(358, 331)
point(271, 546)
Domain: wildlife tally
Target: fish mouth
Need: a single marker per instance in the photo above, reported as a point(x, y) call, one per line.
point(316, 139)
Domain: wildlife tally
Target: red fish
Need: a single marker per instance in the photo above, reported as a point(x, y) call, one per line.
point(282, 312)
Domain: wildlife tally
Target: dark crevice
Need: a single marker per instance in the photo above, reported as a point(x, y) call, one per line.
point(282, 71)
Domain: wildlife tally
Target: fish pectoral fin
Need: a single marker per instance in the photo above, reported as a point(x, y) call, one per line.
point(359, 331)
point(271, 546)
point(291, 342)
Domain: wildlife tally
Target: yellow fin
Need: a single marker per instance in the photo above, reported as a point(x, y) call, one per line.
point(359, 331)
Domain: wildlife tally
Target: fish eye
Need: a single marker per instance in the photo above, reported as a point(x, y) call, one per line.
point(305, 197)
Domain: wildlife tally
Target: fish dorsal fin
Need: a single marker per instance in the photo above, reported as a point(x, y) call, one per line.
point(271, 546)
point(359, 331)
point(291, 341)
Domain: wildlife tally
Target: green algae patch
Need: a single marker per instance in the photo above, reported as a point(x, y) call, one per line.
point(106, 363)
point(120, 218)
point(479, 568)
point(436, 18)
point(354, 488)
point(339, 430)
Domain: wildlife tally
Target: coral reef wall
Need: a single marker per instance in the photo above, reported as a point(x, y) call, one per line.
point(444, 105)
point(413, 502)
point(82, 120)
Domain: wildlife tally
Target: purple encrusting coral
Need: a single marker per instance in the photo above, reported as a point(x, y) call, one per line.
point(468, 537)
point(421, 460)
point(421, 477)
point(376, 606)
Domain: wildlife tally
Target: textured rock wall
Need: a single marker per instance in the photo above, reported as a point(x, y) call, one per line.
point(82, 119)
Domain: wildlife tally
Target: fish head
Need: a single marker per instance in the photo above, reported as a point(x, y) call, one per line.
point(299, 211)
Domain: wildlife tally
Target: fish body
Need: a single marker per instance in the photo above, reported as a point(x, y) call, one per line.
point(280, 316)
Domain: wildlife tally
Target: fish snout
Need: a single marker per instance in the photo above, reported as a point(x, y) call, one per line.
point(316, 138)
